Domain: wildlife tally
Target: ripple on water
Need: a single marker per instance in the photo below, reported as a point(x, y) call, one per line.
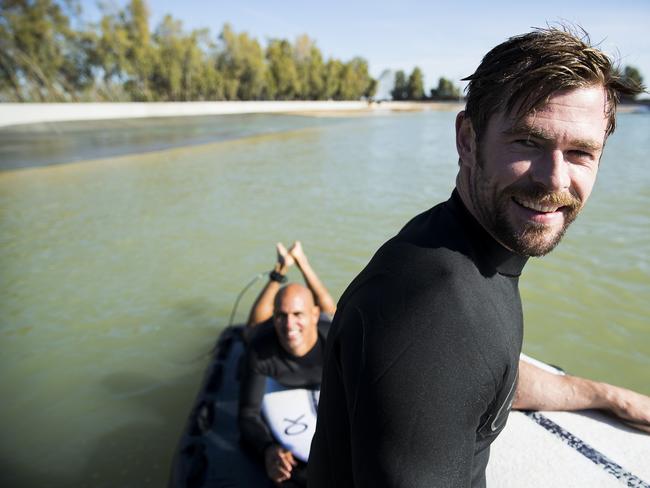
point(117, 274)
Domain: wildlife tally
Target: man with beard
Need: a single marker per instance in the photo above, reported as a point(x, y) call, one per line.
point(421, 363)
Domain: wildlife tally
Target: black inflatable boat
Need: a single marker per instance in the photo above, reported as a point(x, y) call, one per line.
point(209, 453)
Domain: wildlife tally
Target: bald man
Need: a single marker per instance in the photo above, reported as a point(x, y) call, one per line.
point(287, 329)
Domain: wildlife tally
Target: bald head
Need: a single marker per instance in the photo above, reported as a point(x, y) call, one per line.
point(292, 290)
point(295, 318)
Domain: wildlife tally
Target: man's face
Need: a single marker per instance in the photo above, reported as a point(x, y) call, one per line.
point(295, 318)
point(530, 179)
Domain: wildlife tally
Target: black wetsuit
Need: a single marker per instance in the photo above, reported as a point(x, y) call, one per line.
point(267, 358)
point(422, 359)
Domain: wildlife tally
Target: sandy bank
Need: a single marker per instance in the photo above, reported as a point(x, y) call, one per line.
point(30, 113)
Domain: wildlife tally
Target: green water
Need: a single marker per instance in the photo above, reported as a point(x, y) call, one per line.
point(118, 273)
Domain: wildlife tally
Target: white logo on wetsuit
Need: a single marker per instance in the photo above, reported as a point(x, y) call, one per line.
point(502, 414)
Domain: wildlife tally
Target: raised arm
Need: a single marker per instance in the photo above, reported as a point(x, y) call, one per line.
point(540, 390)
point(322, 297)
point(262, 309)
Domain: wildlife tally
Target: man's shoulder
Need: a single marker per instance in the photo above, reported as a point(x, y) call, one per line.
point(431, 259)
point(324, 325)
point(444, 227)
point(264, 340)
point(421, 256)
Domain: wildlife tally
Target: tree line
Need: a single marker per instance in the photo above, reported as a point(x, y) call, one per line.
point(49, 54)
point(412, 88)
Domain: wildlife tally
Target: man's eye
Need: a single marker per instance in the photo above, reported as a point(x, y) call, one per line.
point(526, 143)
point(581, 155)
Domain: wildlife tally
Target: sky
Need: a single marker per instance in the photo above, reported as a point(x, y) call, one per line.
point(442, 38)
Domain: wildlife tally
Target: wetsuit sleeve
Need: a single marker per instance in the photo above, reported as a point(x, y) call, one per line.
point(254, 432)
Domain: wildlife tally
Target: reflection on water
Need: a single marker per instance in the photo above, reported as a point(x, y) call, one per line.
point(63, 142)
point(118, 273)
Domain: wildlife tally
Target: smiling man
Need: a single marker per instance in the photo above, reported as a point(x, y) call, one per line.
point(422, 359)
point(529, 177)
point(287, 329)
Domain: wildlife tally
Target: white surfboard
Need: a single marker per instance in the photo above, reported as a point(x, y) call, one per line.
point(568, 449)
point(290, 413)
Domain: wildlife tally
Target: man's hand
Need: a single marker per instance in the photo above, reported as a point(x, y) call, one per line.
point(278, 463)
point(297, 253)
point(284, 260)
point(633, 408)
point(540, 390)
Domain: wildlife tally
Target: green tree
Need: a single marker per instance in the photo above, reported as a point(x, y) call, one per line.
point(400, 90)
point(141, 53)
point(111, 50)
point(167, 75)
point(283, 79)
point(355, 80)
point(371, 90)
point(241, 63)
point(41, 57)
point(632, 76)
point(206, 81)
point(415, 85)
point(183, 70)
point(211, 83)
point(311, 69)
point(446, 90)
point(333, 71)
point(125, 54)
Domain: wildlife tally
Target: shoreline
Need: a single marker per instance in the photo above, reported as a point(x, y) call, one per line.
point(20, 114)
point(26, 114)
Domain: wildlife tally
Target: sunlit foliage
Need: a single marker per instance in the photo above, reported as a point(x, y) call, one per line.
point(49, 54)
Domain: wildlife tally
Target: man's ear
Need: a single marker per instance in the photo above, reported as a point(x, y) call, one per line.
point(315, 312)
point(465, 140)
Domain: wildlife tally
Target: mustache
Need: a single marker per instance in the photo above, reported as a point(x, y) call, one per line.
point(543, 197)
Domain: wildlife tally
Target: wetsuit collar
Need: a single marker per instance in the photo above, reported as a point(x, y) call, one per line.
point(504, 261)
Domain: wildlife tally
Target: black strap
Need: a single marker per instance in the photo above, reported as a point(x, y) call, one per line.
point(279, 277)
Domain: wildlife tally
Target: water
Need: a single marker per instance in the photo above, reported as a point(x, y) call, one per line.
point(65, 142)
point(118, 273)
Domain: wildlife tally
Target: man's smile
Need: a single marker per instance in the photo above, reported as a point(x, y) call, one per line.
point(539, 212)
point(537, 206)
point(293, 335)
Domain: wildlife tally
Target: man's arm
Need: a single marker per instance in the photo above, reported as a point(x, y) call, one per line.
point(253, 430)
point(540, 390)
point(262, 309)
point(322, 297)
point(278, 462)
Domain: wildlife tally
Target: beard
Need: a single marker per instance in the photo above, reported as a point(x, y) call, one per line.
point(527, 238)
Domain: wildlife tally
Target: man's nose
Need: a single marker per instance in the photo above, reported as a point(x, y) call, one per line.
point(291, 320)
point(552, 171)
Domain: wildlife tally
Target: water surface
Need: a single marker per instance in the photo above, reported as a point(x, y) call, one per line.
point(24, 146)
point(119, 272)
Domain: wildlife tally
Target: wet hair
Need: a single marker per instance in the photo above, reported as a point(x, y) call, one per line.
point(521, 74)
